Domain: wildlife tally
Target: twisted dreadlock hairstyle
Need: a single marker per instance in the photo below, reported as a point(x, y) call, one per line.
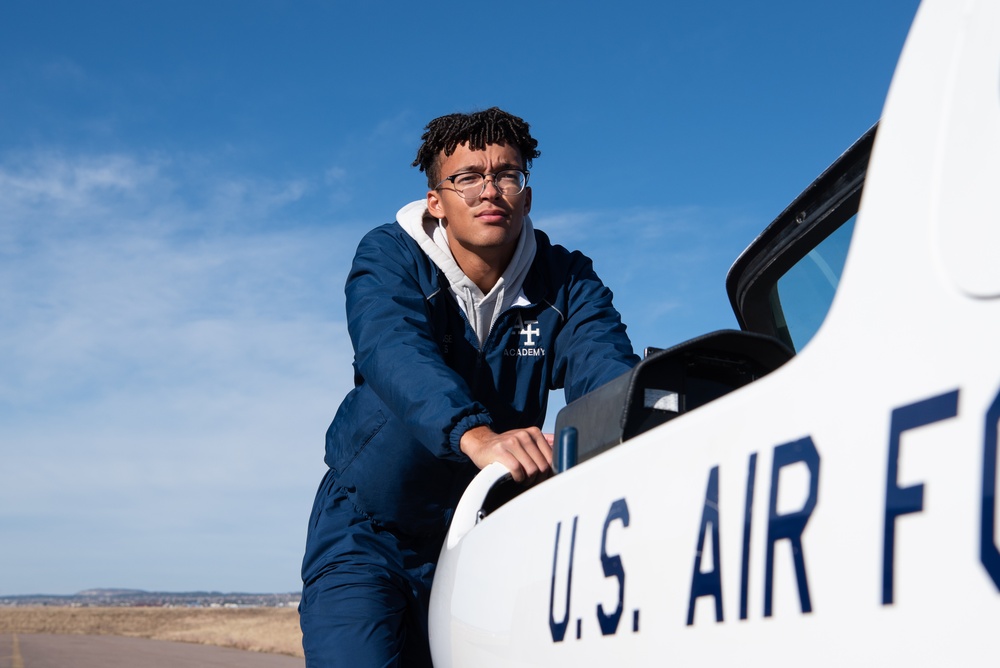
point(492, 126)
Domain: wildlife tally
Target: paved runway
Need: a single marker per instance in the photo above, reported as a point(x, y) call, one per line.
point(40, 650)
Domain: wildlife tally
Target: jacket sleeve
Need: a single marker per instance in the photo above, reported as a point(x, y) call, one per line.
point(395, 350)
point(592, 347)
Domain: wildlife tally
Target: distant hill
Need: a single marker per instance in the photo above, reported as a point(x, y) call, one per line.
point(110, 592)
point(139, 598)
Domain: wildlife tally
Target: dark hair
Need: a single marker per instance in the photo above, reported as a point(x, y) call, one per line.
point(492, 126)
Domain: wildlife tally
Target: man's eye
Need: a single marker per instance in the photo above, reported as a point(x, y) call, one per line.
point(463, 180)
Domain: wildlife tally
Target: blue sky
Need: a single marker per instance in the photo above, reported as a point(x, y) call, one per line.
point(182, 185)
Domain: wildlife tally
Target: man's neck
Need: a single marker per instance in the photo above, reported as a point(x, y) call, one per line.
point(484, 267)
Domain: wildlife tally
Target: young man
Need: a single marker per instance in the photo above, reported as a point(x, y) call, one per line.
point(463, 317)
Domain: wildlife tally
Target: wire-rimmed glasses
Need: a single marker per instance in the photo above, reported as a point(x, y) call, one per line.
point(470, 185)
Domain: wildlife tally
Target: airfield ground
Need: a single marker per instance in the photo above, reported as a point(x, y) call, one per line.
point(271, 630)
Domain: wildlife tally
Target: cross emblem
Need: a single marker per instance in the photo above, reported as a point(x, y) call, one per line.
point(529, 331)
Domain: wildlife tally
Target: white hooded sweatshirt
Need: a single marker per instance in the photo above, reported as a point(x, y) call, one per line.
point(482, 310)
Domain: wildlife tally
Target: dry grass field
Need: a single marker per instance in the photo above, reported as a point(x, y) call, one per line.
point(274, 630)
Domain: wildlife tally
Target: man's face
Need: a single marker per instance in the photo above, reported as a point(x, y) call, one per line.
point(487, 226)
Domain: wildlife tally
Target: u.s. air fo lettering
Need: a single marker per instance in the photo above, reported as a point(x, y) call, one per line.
point(784, 530)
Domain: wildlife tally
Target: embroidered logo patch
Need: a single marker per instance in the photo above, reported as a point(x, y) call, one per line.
point(529, 332)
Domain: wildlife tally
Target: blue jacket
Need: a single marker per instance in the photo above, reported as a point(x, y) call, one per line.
point(421, 379)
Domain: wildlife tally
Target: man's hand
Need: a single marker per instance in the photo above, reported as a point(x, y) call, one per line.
point(526, 452)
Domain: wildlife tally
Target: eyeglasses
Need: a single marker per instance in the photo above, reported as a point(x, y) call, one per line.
point(470, 185)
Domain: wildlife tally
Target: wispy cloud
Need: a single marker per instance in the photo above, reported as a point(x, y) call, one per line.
point(155, 364)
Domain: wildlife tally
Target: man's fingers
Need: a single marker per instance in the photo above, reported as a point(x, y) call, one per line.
point(541, 452)
point(526, 452)
point(533, 452)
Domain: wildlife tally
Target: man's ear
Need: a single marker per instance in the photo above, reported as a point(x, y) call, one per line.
point(527, 200)
point(434, 204)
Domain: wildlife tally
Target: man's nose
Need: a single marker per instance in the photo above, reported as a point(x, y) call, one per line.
point(490, 190)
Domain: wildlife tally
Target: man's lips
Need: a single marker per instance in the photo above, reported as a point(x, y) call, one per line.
point(492, 216)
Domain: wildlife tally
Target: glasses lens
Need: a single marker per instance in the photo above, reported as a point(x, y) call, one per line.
point(469, 185)
point(510, 181)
